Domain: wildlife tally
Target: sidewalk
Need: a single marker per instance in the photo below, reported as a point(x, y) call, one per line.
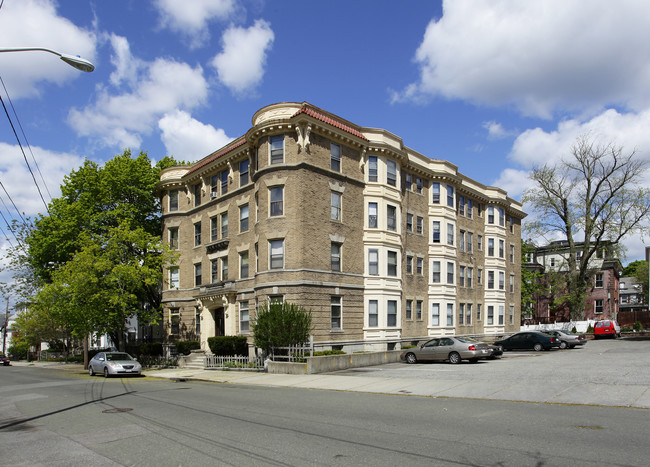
point(629, 395)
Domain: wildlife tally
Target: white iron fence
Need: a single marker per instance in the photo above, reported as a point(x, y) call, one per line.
point(234, 361)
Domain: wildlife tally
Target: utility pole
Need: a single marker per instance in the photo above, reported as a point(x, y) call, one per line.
point(4, 333)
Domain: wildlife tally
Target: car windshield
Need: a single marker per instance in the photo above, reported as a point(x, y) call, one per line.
point(467, 340)
point(113, 357)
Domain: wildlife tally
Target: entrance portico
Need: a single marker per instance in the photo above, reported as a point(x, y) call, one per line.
point(218, 314)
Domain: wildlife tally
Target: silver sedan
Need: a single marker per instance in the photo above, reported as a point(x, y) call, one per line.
point(568, 339)
point(113, 363)
point(452, 349)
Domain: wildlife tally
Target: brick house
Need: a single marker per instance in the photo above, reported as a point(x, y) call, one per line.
point(603, 295)
point(384, 245)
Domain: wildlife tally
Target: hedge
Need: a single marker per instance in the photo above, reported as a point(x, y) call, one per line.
point(228, 345)
point(184, 347)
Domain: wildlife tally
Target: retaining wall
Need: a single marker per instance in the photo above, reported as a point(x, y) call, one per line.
point(327, 363)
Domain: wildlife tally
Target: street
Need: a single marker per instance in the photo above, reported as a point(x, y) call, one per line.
point(59, 417)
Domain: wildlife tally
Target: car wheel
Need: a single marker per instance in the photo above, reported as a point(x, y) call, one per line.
point(105, 372)
point(91, 371)
point(410, 358)
point(537, 347)
point(563, 345)
point(454, 358)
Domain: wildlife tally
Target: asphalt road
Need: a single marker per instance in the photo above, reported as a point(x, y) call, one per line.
point(58, 417)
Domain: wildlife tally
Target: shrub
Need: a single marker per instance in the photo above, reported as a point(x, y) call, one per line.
point(321, 353)
point(228, 345)
point(574, 330)
point(185, 347)
point(590, 329)
point(152, 349)
point(638, 326)
point(19, 350)
point(281, 325)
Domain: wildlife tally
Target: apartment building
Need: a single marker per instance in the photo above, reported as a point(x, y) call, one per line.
point(384, 245)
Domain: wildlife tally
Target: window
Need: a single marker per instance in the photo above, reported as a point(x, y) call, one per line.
point(373, 313)
point(418, 185)
point(479, 242)
point(490, 284)
point(277, 149)
point(469, 210)
point(173, 200)
point(243, 264)
point(391, 313)
point(461, 313)
point(502, 248)
point(435, 272)
point(435, 314)
point(419, 223)
point(478, 312)
point(409, 222)
point(276, 256)
point(435, 193)
point(512, 254)
point(461, 240)
point(418, 309)
point(335, 256)
point(490, 247)
point(244, 317)
point(479, 209)
point(461, 276)
point(409, 264)
point(224, 268)
point(479, 276)
point(174, 277)
point(257, 256)
point(277, 203)
point(214, 185)
point(197, 320)
point(391, 218)
point(392, 263)
point(175, 320)
point(335, 157)
point(372, 168)
point(372, 215)
point(197, 194)
point(490, 211)
point(450, 273)
point(409, 309)
point(197, 275)
point(598, 306)
point(173, 238)
point(243, 218)
point(512, 283)
point(470, 273)
point(502, 280)
point(552, 262)
point(214, 271)
point(450, 196)
point(436, 231)
point(450, 314)
point(224, 225)
point(468, 314)
point(512, 314)
point(409, 182)
point(501, 314)
point(391, 173)
point(599, 280)
point(512, 224)
point(450, 234)
point(335, 212)
point(243, 172)
point(490, 315)
point(197, 234)
point(470, 240)
point(502, 217)
point(224, 182)
point(373, 262)
point(335, 312)
point(461, 205)
point(419, 263)
point(214, 229)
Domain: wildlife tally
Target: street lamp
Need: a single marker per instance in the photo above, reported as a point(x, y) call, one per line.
point(75, 61)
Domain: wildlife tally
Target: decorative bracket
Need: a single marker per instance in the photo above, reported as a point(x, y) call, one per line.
point(303, 132)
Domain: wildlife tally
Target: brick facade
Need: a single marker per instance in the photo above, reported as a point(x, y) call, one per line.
point(312, 201)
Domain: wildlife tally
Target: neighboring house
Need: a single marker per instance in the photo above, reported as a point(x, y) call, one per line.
point(633, 306)
point(381, 243)
point(551, 261)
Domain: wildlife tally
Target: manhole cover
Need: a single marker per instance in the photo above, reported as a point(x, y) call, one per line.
point(116, 410)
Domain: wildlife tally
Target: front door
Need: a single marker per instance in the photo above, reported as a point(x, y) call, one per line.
point(219, 327)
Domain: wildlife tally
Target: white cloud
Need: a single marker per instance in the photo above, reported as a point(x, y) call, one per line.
point(190, 18)
point(126, 66)
point(496, 130)
point(240, 66)
point(514, 181)
point(158, 88)
point(540, 56)
point(35, 23)
point(187, 139)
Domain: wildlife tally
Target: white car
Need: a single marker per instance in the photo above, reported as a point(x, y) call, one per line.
point(113, 363)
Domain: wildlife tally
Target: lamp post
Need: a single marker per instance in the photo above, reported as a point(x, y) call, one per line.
point(74, 61)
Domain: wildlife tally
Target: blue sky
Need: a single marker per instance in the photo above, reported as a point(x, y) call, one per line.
point(495, 87)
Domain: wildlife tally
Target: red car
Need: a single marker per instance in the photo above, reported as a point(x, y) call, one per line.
point(4, 360)
point(607, 327)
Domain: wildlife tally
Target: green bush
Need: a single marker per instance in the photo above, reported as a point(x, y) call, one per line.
point(281, 325)
point(590, 329)
point(321, 353)
point(18, 351)
point(574, 330)
point(638, 326)
point(185, 347)
point(152, 349)
point(228, 345)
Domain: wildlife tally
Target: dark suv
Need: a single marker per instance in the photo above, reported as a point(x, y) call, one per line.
point(529, 340)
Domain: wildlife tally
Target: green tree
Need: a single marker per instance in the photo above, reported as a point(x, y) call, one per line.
point(639, 270)
point(594, 195)
point(281, 325)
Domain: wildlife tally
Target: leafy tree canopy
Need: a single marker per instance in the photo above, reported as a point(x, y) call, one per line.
point(281, 325)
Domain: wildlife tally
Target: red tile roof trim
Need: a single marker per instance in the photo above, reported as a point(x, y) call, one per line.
point(216, 156)
point(330, 121)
